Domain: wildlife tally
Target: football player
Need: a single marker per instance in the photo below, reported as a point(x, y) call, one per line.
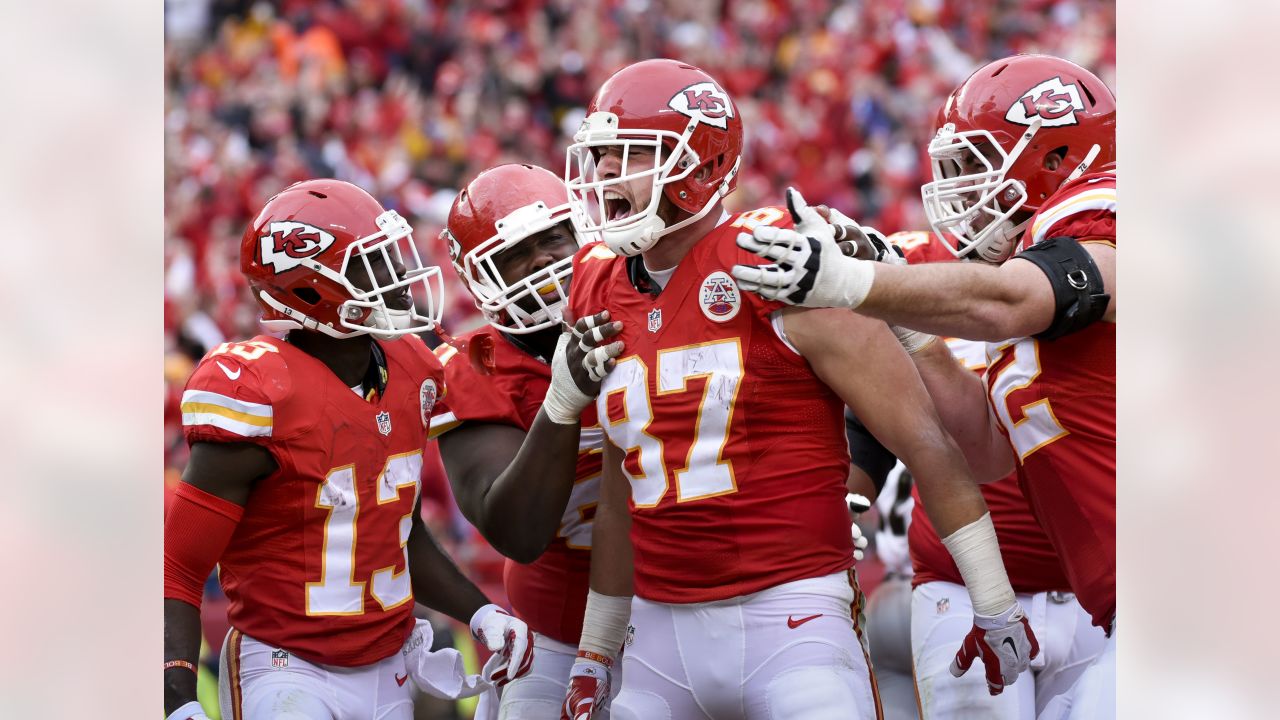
point(726, 459)
point(523, 476)
point(1024, 182)
point(303, 482)
point(938, 603)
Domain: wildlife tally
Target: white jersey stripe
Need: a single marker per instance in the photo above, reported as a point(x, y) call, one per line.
point(221, 421)
point(230, 403)
point(1100, 199)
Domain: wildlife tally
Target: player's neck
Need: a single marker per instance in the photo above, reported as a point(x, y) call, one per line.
point(348, 359)
point(671, 249)
point(540, 344)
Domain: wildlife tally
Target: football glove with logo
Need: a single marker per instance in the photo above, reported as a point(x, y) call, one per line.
point(510, 640)
point(809, 267)
point(1004, 642)
point(588, 688)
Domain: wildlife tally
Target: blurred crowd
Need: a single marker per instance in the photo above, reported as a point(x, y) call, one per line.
point(410, 99)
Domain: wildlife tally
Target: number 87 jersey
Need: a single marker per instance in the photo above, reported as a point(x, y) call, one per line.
point(317, 564)
point(734, 449)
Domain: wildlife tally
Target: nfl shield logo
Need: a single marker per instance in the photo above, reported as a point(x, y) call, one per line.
point(944, 605)
point(655, 319)
point(384, 422)
point(279, 659)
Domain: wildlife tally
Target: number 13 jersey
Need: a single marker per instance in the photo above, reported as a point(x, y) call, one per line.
point(735, 450)
point(317, 565)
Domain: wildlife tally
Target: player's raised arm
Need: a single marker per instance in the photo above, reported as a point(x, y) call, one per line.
point(885, 391)
point(207, 506)
point(513, 486)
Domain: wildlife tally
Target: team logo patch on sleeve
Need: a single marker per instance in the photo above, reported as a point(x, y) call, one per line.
point(719, 297)
point(1054, 102)
point(288, 243)
point(384, 422)
point(427, 399)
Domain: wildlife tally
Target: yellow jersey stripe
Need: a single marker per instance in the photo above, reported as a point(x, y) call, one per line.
point(195, 408)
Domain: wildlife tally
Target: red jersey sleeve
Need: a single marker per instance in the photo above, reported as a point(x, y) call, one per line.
point(729, 254)
point(1084, 209)
point(234, 394)
point(479, 401)
point(920, 247)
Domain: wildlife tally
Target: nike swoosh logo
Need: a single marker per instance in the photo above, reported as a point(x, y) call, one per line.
point(1014, 648)
point(793, 623)
point(400, 680)
point(230, 375)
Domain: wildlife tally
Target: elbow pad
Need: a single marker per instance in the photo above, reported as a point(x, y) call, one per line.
point(866, 452)
point(196, 531)
point(1078, 293)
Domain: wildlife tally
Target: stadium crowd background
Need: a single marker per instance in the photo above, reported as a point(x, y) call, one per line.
point(410, 99)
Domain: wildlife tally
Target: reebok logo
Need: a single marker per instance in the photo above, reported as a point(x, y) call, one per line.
point(230, 375)
point(793, 623)
point(401, 678)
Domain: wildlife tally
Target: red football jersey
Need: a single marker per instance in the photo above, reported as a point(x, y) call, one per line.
point(735, 450)
point(551, 592)
point(1056, 401)
point(317, 564)
point(1028, 556)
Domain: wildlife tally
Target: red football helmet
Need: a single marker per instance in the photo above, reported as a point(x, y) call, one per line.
point(681, 115)
point(498, 210)
point(296, 254)
point(994, 134)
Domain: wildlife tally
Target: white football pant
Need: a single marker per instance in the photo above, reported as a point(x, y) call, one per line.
point(1093, 697)
point(790, 652)
point(540, 694)
point(941, 616)
point(252, 687)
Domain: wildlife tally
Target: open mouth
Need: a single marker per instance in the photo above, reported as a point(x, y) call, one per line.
point(547, 290)
point(616, 207)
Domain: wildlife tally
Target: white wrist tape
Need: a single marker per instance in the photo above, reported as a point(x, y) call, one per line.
point(564, 402)
point(604, 626)
point(850, 284)
point(977, 554)
point(913, 341)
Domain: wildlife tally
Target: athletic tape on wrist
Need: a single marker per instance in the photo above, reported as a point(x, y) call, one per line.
point(604, 626)
point(977, 554)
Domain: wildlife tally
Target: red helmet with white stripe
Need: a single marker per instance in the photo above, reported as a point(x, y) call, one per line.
point(324, 255)
point(681, 115)
point(1008, 137)
point(500, 209)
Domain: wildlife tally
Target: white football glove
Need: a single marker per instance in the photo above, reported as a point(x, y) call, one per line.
point(578, 366)
point(510, 640)
point(809, 268)
point(190, 711)
point(588, 690)
point(858, 504)
point(1004, 642)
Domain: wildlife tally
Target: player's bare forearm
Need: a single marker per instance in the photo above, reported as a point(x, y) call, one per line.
point(511, 485)
point(181, 642)
point(965, 300)
point(961, 401)
point(437, 582)
point(611, 558)
point(861, 360)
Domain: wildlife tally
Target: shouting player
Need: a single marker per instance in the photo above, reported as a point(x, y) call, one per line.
point(1024, 181)
point(522, 476)
point(303, 483)
point(727, 458)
